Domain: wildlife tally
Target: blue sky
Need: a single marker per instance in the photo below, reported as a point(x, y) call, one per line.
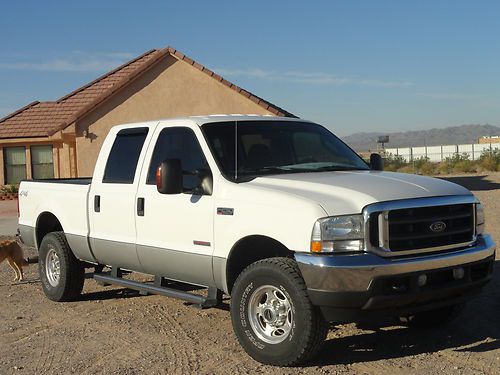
point(351, 65)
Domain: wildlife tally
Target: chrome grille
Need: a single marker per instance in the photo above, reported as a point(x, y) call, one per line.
point(396, 229)
point(412, 228)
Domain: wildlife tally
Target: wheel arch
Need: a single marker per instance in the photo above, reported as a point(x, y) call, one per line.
point(251, 249)
point(46, 223)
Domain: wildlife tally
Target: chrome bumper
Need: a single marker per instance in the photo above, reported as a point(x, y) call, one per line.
point(355, 273)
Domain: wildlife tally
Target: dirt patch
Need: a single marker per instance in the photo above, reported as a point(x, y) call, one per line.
point(8, 208)
point(113, 330)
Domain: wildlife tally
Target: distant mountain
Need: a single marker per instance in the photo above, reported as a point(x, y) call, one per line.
point(432, 137)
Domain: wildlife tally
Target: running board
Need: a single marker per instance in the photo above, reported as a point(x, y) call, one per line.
point(213, 298)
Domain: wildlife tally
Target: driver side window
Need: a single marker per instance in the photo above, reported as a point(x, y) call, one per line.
point(178, 143)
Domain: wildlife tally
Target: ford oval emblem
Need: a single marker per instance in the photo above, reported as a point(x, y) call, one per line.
point(438, 226)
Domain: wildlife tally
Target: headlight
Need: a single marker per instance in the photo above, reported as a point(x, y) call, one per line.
point(338, 234)
point(479, 219)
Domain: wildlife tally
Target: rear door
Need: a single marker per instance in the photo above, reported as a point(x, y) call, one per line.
point(112, 197)
point(175, 232)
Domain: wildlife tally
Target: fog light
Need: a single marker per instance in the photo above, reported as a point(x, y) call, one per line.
point(422, 279)
point(458, 273)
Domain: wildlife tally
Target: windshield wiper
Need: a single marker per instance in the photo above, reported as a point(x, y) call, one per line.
point(291, 169)
point(336, 168)
point(327, 168)
point(273, 169)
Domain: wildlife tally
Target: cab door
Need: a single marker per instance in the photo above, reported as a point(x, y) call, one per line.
point(175, 232)
point(112, 197)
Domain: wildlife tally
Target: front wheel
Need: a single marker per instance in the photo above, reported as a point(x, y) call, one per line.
point(272, 316)
point(61, 274)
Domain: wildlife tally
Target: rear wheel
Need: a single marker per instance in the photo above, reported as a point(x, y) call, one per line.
point(61, 274)
point(433, 318)
point(272, 316)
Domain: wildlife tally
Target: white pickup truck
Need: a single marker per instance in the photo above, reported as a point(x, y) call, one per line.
point(276, 212)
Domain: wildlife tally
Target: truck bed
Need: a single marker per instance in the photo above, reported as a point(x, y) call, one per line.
point(67, 200)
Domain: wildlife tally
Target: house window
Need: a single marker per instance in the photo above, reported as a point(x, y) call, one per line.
point(15, 164)
point(42, 162)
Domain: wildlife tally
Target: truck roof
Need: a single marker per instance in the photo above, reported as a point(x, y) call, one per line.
point(206, 119)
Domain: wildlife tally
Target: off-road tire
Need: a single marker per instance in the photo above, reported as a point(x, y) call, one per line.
point(72, 271)
point(433, 318)
point(309, 329)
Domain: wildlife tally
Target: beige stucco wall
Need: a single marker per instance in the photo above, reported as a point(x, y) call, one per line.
point(488, 140)
point(171, 88)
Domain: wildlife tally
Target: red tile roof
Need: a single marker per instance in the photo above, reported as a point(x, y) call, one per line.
point(46, 118)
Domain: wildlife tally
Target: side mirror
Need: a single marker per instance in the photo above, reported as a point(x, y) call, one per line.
point(376, 162)
point(169, 177)
point(206, 181)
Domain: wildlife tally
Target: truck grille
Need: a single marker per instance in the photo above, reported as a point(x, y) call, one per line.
point(423, 227)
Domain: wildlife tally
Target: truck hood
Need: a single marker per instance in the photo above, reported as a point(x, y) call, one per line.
point(348, 192)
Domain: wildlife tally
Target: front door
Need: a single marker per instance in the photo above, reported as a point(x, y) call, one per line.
point(175, 232)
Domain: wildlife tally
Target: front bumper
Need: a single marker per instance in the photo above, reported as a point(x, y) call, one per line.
point(362, 286)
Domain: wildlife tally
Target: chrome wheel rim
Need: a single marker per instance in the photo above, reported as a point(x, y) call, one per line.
point(52, 267)
point(270, 314)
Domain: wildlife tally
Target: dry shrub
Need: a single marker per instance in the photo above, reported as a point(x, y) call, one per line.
point(490, 160)
point(428, 168)
point(488, 164)
point(393, 162)
point(464, 166)
point(406, 169)
point(445, 167)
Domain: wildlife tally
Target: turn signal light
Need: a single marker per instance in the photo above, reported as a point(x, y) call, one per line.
point(158, 177)
point(316, 246)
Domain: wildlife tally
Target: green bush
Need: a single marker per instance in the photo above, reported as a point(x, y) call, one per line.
point(393, 163)
point(458, 163)
point(423, 165)
point(9, 189)
point(419, 162)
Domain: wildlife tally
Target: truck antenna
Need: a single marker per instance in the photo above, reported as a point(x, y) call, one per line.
point(236, 151)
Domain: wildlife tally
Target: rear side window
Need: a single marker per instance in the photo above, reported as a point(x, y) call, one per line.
point(178, 143)
point(124, 155)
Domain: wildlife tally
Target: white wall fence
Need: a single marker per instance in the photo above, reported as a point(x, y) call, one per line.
point(439, 153)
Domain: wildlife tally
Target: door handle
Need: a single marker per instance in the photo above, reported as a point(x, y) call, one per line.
point(140, 206)
point(97, 203)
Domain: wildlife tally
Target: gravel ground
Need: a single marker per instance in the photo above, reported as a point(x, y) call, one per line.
point(116, 331)
point(8, 217)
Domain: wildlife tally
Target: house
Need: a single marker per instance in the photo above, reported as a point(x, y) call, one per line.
point(62, 138)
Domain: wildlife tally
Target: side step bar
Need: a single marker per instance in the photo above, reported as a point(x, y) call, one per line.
point(213, 298)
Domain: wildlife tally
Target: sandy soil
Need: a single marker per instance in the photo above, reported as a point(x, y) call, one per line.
point(8, 208)
point(116, 331)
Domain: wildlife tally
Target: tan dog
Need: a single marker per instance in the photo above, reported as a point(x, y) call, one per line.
point(10, 250)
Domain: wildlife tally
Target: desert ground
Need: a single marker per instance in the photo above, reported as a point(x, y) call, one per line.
point(115, 331)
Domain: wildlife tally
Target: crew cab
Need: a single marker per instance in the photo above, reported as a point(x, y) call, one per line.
point(276, 212)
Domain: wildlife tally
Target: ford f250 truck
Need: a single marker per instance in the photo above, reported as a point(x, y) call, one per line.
point(276, 212)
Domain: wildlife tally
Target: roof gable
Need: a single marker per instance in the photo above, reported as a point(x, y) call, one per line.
point(42, 119)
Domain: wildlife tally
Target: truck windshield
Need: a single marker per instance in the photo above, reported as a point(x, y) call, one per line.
point(277, 147)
